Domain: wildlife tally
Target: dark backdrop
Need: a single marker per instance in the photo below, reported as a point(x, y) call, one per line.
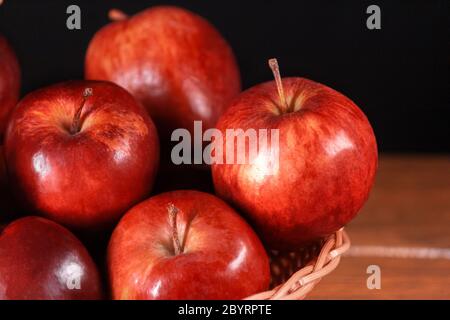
point(398, 75)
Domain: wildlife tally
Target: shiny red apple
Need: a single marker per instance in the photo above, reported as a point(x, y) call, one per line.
point(40, 259)
point(172, 60)
point(81, 152)
point(9, 83)
point(326, 164)
point(185, 245)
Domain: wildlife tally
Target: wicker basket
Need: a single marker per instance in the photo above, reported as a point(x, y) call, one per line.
point(312, 263)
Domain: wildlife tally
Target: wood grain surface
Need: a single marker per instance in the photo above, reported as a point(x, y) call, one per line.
point(409, 207)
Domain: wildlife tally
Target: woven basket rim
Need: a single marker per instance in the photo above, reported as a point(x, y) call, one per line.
point(305, 279)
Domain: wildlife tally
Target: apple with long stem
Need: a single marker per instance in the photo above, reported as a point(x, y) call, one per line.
point(81, 153)
point(9, 83)
point(326, 165)
point(43, 260)
point(185, 245)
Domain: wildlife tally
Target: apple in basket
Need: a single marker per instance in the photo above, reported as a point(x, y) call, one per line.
point(43, 260)
point(81, 153)
point(325, 162)
point(172, 60)
point(185, 245)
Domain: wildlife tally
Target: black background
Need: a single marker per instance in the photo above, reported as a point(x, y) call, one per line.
point(398, 75)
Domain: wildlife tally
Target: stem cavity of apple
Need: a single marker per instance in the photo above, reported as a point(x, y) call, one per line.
point(273, 64)
point(117, 15)
point(76, 123)
point(173, 213)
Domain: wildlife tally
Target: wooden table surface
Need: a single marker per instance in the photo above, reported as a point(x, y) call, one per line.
point(409, 207)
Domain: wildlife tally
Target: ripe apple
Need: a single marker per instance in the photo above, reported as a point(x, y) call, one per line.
point(185, 245)
point(42, 260)
point(326, 165)
point(81, 153)
point(172, 60)
point(9, 83)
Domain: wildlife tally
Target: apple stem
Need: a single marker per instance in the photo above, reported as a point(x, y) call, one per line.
point(273, 64)
point(75, 127)
point(173, 213)
point(117, 15)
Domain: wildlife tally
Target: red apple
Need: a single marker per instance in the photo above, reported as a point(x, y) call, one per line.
point(42, 260)
point(81, 152)
point(9, 83)
point(185, 245)
point(327, 161)
point(172, 60)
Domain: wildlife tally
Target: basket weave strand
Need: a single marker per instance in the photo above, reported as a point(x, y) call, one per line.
point(305, 279)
